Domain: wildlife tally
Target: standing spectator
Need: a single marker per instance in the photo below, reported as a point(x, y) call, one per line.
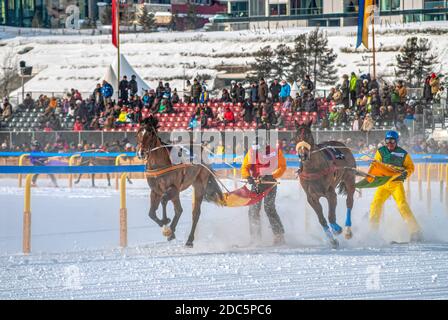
point(254, 92)
point(308, 84)
point(204, 95)
point(187, 92)
point(427, 92)
point(356, 125)
point(107, 91)
point(133, 86)
point(353, 97)
point(160, 90)
point(225, 96)
point(196, 91)
point(175, 97)
point(241, 93)
point(345, 89)
point(123, 89)
point(167, 92)
point(248, 111)
point(285, 91)
point(233, 91)
point(435, 84)
point(263, 91)
point(274, 89)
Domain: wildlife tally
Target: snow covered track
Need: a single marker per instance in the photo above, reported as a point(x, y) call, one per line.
point(75, 254)
point(167, 271)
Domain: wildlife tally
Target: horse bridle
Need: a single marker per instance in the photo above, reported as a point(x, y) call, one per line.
point(146, 152)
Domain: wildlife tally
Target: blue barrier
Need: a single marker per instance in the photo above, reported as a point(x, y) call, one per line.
point(427, 158)
point(69, 169)
point(55, 154)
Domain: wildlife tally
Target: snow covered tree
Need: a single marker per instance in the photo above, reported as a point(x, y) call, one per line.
point(299, 62)
point(282, 61)
point(106, 16)
point(146, 19)
point(264, 63)
point(415, 60)
point(191, 19)
point(321, 58)
point(8, 73)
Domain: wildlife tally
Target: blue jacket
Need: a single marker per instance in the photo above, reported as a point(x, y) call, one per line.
point(285, 91)
point(107, 90)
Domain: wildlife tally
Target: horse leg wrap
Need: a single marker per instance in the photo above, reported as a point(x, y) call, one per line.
point(336, 228)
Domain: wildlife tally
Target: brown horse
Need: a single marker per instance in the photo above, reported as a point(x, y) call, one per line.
point(167, 180)
point(324, 167)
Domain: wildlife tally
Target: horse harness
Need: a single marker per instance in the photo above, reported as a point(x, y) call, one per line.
point(331, 169)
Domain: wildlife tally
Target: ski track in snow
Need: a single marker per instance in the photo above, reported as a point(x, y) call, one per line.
point(75, 252)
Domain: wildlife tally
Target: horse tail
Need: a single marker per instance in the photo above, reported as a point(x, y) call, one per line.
point(342, 188)
point(213, 192)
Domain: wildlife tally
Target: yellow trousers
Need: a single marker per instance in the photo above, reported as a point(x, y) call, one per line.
point(396, 189)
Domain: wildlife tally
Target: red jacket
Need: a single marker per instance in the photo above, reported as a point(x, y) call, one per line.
point(229, 116)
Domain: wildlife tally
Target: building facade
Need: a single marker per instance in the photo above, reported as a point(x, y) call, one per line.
point(44, 13)
point(332, 12)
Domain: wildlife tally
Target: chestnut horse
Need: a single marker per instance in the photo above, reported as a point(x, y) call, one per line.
point(321, 172)
point(167, 180)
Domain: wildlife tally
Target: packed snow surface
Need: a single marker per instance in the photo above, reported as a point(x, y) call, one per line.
point(76, 255)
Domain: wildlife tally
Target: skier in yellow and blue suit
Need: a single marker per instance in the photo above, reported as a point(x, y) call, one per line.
point(392, 154)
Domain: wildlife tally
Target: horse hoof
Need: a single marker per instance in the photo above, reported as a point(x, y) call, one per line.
point(166, 231)
point(348, 233)
point(189, 244)
point(334, 244)
point(171, 237)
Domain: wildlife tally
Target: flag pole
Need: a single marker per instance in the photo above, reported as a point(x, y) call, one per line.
point(118, 45)
point(373, 42)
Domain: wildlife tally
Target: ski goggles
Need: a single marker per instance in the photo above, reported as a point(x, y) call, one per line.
point(391, 140)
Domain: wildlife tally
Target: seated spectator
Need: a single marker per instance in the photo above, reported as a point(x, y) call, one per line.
point(333, 118)
point(368, 124)
point(229, 116)
point(390, 114)
point(193, 122)
point(78, 125)
point(28, 102)
point(94, 124)
point(175, 97)
point(148, 98)
point(110, 122)
point(122, 118)
point(287, 105)
point(164, 106)
point(279, 121)
point(48, 127)
point(6, 110)
point(220, 114)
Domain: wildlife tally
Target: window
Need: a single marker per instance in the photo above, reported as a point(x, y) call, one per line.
point(2, 13)
point(435, 4)
point(390, 5)
point(239, 9)
point(278, 9)
point(351, 6)
point(257, 8)
point(306, 7)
